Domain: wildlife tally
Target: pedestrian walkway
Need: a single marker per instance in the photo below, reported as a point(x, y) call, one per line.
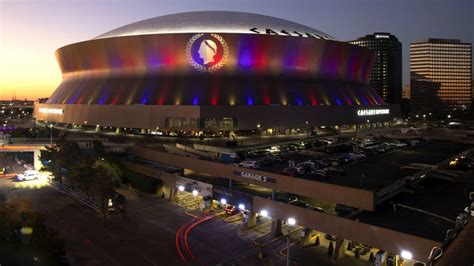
point(318, 255)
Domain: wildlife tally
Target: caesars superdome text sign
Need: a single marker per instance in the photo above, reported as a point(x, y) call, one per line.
point(207, 52)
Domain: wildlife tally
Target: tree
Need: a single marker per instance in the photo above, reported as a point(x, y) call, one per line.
point(25, 239)
point(83, 172)
point(62, 160)
point(71, 159)
point(98, 148)
point(50, 160)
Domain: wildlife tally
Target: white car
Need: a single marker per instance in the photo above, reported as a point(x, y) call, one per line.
point(399, 144)
point(28, 175)
point(357, 156)
point(249, 164)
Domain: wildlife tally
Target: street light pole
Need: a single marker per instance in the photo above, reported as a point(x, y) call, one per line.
point(51, 136)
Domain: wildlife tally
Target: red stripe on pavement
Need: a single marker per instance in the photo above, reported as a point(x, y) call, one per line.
point(187, 232)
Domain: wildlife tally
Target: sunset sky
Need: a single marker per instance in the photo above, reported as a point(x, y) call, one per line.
point(31, 30)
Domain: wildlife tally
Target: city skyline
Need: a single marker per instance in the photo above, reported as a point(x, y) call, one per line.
point(30, 31)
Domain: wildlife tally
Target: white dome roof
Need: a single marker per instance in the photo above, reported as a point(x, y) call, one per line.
point(211, 22)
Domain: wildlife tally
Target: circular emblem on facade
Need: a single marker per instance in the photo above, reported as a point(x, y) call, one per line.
point(207, 52)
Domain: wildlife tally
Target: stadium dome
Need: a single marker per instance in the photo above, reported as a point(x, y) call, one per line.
point(211, 22)
point(213, 70)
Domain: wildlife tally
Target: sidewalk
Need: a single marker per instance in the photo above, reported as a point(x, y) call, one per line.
point(317, 255)
point(132, 194)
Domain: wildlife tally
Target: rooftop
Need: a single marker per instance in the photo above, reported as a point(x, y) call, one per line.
point(211, 22)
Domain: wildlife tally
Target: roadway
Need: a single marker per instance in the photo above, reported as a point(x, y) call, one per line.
point(145, 235)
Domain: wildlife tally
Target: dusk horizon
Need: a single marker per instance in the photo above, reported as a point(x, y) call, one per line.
point(31, 32)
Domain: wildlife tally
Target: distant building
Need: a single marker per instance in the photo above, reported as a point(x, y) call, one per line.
point(386, 75)
point(440, 76)
point(406, 92)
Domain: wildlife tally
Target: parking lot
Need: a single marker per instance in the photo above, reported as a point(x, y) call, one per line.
point(414, 214)
point(366, 168)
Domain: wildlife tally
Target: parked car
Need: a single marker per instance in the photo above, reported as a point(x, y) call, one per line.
point(318, 172)
point(250, 164)
point(332, 170)
point(344, 158)
point(343, 209)
point(230, 210)
point(303, 168)
point(357, 155)
point(318, 209)
point(300, 204)
point(289, 172)
point(399, 144)
point(28, 175)
point(271, 161)
point(286, 198)
point(315, 164)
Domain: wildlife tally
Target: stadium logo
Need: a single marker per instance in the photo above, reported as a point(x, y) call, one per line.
point(207, 52)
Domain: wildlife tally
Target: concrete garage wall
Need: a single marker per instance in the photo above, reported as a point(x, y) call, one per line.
point(332, 193)
point(168, 179)
point(385, 239)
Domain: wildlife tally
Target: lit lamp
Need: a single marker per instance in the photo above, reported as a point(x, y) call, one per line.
point(406, 254)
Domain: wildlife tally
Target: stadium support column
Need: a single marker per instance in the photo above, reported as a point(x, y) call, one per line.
point(172, 194)
point(276, 228)
point(252, 219)
point(340, 248)
point(305, 237)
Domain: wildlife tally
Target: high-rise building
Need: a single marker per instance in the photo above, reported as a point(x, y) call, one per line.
point(386, 74)
point(406, 92)
point(440, 76)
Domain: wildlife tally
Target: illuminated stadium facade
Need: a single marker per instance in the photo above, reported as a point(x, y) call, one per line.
point(214, 71)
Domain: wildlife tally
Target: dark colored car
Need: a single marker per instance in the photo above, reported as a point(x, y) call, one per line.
point(343, 210)
point(289, 172)
point(271, 161)
point(335, 171)
point(119, 198)
point(301, 204)
point(286, 198)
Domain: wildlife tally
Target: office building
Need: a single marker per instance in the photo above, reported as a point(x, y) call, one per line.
point(440, 76)
point(386, 75)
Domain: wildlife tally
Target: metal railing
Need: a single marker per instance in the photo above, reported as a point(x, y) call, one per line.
point(84, 199)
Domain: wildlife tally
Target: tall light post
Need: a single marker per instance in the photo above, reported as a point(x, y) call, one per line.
point(291, 222)
point(4, 133)
point(259, 134)
point(51, 136)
